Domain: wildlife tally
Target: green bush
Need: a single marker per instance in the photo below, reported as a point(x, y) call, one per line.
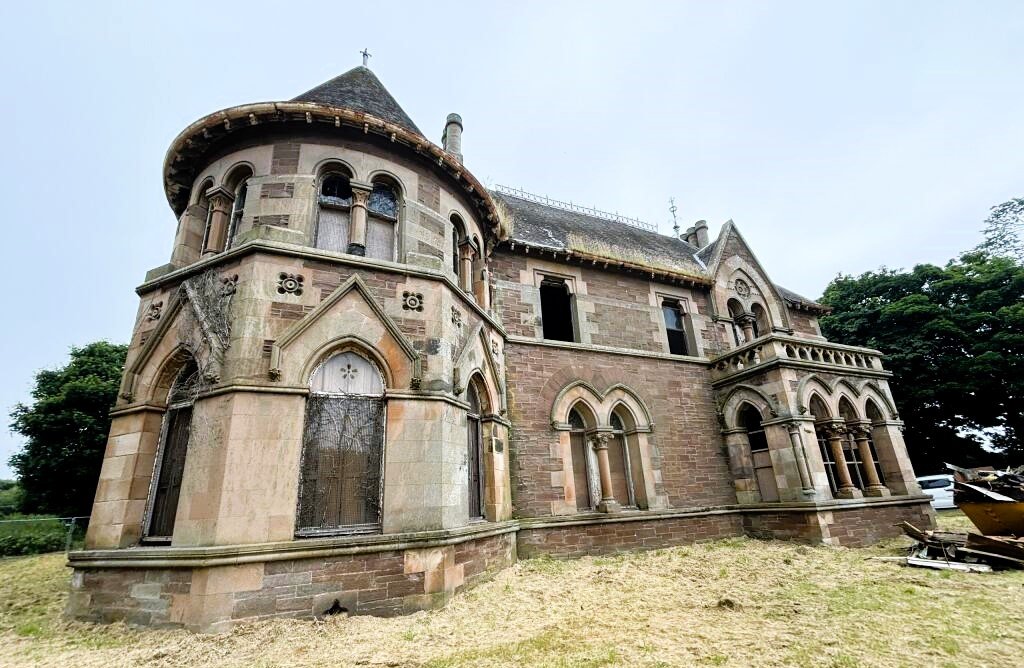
point(40, 534)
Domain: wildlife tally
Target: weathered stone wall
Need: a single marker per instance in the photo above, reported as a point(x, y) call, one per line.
point(603, 537)
point(686, 437)
point(849, 527)
point(211, 599)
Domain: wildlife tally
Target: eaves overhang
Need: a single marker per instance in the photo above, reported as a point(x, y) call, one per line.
point(182, 162)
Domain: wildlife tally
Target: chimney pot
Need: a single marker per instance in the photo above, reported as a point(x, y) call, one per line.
point(451, 140)
point(701, 233)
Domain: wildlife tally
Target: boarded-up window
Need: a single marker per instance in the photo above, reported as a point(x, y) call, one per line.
point(474, 458)
point(342, 448)
point(380, 239)
point(578, 451)
point(333, 221)
point(380, 225)
point(173, 449)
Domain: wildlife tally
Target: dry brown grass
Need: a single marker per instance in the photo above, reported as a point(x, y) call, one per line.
point(736, 602)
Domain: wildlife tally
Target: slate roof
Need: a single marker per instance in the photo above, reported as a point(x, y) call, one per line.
point(359, 89)
point(800, 301)
point(543, 226)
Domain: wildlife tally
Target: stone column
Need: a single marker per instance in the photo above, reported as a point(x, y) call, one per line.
point(220, 206)
point(741, 466)
point(836, 431)
point(357, 220)
point(797, 442)
point(861, 433)
point(746, 322)
point(608, 503)
point(466, 256)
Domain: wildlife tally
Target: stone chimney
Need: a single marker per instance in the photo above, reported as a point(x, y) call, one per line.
point(451, 140)
point(688, 235)
point(701, 232)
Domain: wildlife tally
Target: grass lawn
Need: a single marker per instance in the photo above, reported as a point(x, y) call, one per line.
point(735, 602)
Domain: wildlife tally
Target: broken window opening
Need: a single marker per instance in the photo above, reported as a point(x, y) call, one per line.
point(342, 449)
point(675, 327)
point(382, 207)
point(750, 419)
point(556, 310)
point(620, 465)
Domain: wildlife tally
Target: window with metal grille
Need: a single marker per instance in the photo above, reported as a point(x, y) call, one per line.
point(474, 454)
point(675, 326)
point(556, 310)
point(333, 218)
point(578, 452)
point(170, 468)
point(457, 233)
point(342, 448)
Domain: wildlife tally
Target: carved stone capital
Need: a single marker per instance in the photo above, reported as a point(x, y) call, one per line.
point(835, 429)
point(599, 441)
point(360, 195)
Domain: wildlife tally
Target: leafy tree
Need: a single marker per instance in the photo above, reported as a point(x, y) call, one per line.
point(954, 339)
point(1003, 230)
point(66, 430)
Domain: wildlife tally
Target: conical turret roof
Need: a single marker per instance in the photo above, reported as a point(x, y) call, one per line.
point(359, 89)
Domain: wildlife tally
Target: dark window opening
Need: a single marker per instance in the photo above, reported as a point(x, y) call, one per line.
point(177, 427)
point(474, 459)
point(750, 420)
point(336, 190)
point(237, 210)
point(556, 310)
point(675, 326)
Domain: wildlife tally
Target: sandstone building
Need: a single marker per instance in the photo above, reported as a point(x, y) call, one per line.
point(364, 382)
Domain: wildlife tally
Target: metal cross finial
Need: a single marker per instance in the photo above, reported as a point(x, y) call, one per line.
point(366, 57)
point(672, 209)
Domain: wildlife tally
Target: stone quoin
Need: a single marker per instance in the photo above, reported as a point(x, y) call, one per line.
point(365, 382)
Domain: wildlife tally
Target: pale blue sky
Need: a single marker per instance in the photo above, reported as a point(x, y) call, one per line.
point(839, 137)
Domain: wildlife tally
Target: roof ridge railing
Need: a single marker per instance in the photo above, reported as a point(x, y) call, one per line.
point(577, 208)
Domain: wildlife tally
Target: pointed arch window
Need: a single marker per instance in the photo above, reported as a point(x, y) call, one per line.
point(342, 448)
point(474, 453)
point(335, 204)
point(238, 182)
point(619, 464)
point(580, 468)
point(170, 465)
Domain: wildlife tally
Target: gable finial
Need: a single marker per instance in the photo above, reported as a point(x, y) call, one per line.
point(672, 210)
point(366, 56)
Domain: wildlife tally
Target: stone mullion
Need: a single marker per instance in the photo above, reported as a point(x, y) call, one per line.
point(835, 432)
point(874, 485)
point(357, 221)
point(608, 503)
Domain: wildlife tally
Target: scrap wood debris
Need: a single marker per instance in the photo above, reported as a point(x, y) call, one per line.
point(993, 500)
point(969, 552)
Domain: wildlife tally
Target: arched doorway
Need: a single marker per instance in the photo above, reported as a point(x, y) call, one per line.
point(342, 448)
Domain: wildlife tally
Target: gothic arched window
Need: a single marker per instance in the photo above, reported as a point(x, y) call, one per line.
point(238, 183)
point(578, 452)
point(382, 208)
point(458, 232)
point(174, 438)
point(474, 453)
point(342, 448)
point(619, 464)
point(335, 203)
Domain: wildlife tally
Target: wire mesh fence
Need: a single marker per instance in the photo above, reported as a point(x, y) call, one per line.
point(22, 535)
